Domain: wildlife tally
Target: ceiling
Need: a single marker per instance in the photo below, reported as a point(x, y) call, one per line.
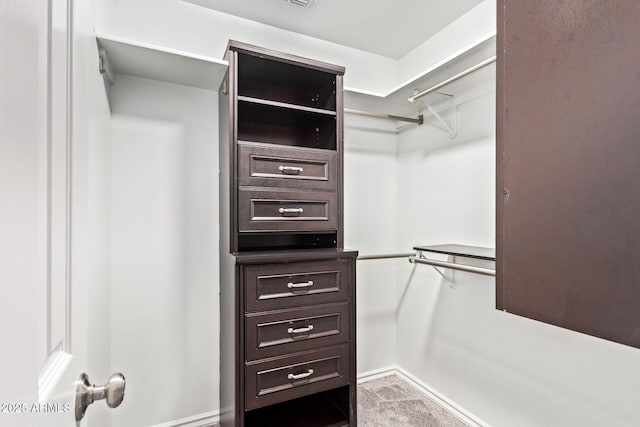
point(384, 27)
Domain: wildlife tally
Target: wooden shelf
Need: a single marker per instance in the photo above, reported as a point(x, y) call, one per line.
point(148, 61)
point(286, 105)
point(477, 252)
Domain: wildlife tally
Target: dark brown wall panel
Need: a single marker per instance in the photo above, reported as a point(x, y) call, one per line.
point(568, 159)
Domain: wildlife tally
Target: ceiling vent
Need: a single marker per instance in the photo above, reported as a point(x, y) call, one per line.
point(301, 3)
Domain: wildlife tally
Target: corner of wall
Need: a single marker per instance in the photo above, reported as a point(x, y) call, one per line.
point(472, 28)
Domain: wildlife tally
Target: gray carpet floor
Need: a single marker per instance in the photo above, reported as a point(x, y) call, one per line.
point(392, 402)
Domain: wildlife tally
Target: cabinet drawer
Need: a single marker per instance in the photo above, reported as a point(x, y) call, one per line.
point(290, 331)
point(274, 286)
point(287, 211)
point(277, 380)
point(267, 166)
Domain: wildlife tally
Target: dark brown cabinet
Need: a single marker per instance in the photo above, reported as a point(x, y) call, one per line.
point(568, 157)
point(287, 285)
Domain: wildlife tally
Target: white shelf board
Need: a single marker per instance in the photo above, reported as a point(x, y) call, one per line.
point(145, 60)
point(396, 101)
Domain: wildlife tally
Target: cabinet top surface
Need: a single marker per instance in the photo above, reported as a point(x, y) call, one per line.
point(275, 55)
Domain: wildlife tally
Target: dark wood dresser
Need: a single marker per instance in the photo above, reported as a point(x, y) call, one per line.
point(287, 288)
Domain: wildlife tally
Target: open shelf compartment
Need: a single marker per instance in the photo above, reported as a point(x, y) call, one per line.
point(286, 241)
point(326, 409)
point(282, 82)
point(273, 124)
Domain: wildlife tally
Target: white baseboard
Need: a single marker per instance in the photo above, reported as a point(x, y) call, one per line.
point(376, 373)
point(439, 398)
point(201, 420)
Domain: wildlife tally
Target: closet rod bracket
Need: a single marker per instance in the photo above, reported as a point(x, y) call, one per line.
point(104, 66)
point(452, 265)
point(452, 131)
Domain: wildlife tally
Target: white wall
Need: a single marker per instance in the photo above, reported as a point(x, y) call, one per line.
point(192, 28)
point(370, 182)
point(164, 262)
point(185, 26)
point(477, 25)
point(505, 369)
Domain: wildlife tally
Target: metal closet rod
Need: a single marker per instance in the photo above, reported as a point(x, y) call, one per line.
point(451, 265)
point(412, 99)
point(419, 120)
point(432, 262)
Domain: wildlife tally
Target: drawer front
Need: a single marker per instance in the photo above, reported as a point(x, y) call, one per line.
point(289, 331)
point(277, 380)
point(287, 211)
point(275, 286)
point(264, 166)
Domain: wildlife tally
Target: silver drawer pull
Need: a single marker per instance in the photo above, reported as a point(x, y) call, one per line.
point(290, 170)
point(300, 376)
point(300, 330)
point(290, 211)
point(300, 285)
